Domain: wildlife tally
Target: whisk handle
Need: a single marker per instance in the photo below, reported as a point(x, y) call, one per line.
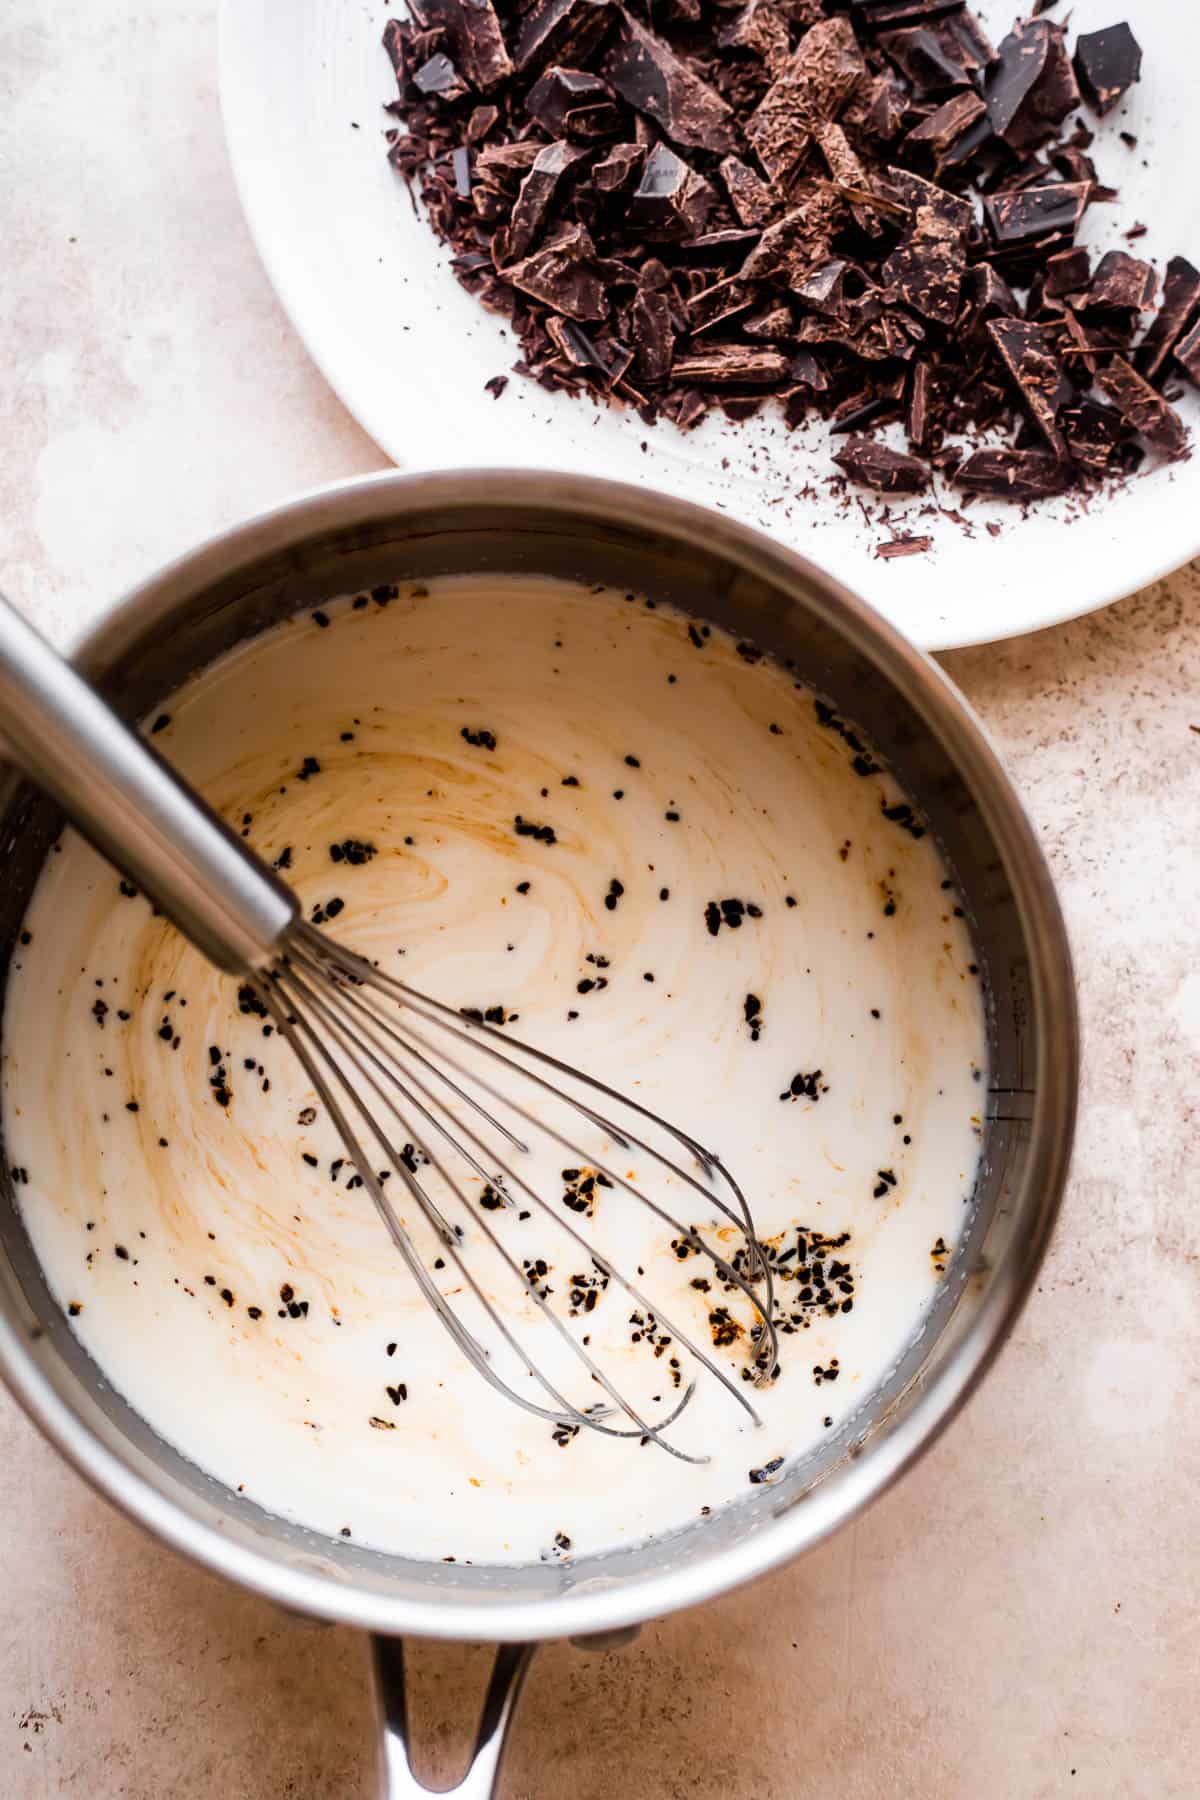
point(398, 1780)
point(133, 807)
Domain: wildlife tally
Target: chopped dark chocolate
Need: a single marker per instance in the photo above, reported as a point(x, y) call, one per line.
point(533, 201)
point(1187, 353)
point(739, 364)
point(562, 31)
point(560, 273)
point(671, 200)
point(1152, 417)
point(1028, 355)
point(926, 274)
point(1122, 284)
point(646, 72)
point(749, 195)
point(574, 104)
point(762, 29)
point(875, 466)
point(1096, 436)
point(940, 129)
point(1067, 272)
point(1180, 304)
point(1021, 215)
point(820, 77)
point(1107, 63)
point(440, 77)
point(616, 171)
point(858, 207)
point(653, 337)
point(1013, 474)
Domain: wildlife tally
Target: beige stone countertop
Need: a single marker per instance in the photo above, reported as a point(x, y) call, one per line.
point(1021, 1617)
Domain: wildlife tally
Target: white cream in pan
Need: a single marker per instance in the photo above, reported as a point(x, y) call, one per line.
point(240, 1290)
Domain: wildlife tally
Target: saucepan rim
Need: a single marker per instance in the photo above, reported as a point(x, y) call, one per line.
point(841, 1496)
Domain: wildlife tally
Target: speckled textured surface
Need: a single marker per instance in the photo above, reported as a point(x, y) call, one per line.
point(1021, 1618)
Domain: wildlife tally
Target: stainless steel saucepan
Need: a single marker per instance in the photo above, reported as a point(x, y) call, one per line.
point(408, 527)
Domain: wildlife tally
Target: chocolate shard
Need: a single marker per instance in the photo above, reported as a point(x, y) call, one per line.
point(1180, 305)
point(439, 77)
point(926, 274)
point(1031, 88)
point(869, 330)
point(571, 103)
point(737, 365)
point(574, 345)
point(870, 405)
point(1019, 475)
point(902, 546)
point(718, 306)
point(1028, 355)
point(647, 73)
point(935, 210)
point(615, 172)
point(653, 337)
point(848, 175)
point(815, 84)
point(974, 44)
point(986, 295)
point(876, 108)
point(671, 200)
point(1096, 437)
point(789, 248)
point(772, 323)
point(1122, 284)
point(760, 28)
point(876, 14)
point(504, 164)
point(975, 144)
point(931, 62)
point(718, 249)
point(1025, 215)
point(561, 275)
point(1107, 63)
point(946, 124)
point(823, 288)
point(1187, 353)
point(538, 192)
point(1152, 417)
point(749, 195)
point(917, 405)
point(479, 43)
point(472, 30)
point(480, 123)
point(685, 407)
point(562, 31)
point(1067, 272)
point(875, 466)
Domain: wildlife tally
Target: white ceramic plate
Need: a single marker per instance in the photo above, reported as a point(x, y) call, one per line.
point(409, 351)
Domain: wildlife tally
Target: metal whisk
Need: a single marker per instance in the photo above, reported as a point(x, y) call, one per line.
point(451, 1107)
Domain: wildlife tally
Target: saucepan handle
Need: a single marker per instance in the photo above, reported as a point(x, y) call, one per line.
point(397, 1780)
